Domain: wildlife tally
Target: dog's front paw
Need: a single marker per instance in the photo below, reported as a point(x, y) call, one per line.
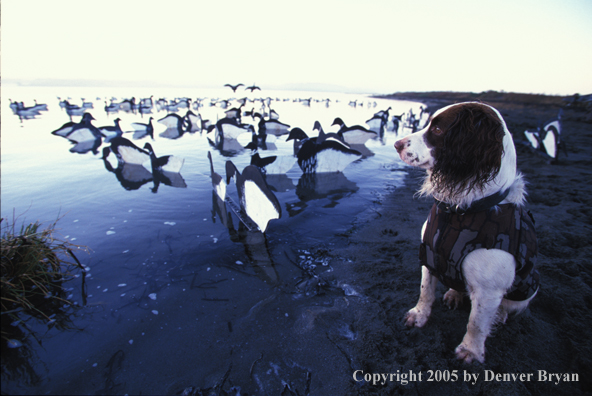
point(453, 299)
point(464, 352)
point(416, 317)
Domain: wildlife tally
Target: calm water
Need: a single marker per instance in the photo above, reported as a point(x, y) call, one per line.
point(171, 283)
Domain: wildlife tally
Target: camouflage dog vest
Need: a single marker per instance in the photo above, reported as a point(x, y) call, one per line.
point(450, 236)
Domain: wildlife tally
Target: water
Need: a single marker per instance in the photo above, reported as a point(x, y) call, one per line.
point(173, 289)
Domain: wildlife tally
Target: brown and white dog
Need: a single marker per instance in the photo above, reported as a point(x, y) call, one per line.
point(470, 159)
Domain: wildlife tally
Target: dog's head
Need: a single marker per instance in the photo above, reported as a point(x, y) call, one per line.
point(462, 147)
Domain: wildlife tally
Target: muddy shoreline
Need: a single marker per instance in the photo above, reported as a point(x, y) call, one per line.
point(552, 336)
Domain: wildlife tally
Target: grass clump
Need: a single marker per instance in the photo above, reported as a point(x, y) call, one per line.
point(34, 265)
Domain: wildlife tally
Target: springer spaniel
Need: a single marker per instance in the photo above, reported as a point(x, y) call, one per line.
point(477, 239)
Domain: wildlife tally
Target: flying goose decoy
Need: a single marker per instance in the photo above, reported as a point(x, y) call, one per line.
point(233, 87)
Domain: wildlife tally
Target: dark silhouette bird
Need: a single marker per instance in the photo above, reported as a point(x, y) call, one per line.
point(111, 131)
point(233, 87)
point(253, 88)
point(142, 130)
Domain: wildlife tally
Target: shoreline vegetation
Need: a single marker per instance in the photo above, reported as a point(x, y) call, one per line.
point(35, 263)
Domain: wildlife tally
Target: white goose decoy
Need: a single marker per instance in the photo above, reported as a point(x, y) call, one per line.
point(128, 153)
point(356, 134)
point(218, 182)
point(166, 163)
point(256, 199)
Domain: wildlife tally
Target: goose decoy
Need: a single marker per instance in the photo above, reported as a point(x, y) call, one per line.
point(128, 153)
point(229, 128)
point(233, 87)
point(39, 107)
point(111, 108)
point(128, 105)
point(273, 165)
point(356, 134)
point(218, 182)
point(323, 154)
point(394, 122)
point(111, 131)
point(166, 163)
point(322, 136)
point(547, 138)
point(80, 132)
point(74, 110)
point(253, 88)
point(175, 126)
point(235, 113)
point(142, 130)
point(378, 120)
point(193, 122)
point(256, 199)
point(271, 126)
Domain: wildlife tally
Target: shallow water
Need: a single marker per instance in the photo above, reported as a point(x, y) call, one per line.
point(174, 287)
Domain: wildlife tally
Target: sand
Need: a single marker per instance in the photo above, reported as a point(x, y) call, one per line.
point(553, 335)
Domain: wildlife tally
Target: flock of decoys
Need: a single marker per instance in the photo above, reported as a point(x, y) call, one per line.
point(324, 153)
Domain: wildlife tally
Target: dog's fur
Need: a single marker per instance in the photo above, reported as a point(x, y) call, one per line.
point(469, 154)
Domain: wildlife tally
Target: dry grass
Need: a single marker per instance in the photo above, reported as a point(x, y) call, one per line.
point(34, 265)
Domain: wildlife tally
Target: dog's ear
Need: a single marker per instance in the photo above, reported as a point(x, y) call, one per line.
point(472, 150)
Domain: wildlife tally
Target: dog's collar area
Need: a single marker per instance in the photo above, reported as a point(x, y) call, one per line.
point(477, 206)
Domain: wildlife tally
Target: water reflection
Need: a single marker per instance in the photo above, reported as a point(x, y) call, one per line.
point(314, 186)
point(171, 179)
point(254, 241)
point(130, 176)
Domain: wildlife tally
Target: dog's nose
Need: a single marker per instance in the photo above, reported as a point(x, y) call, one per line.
point(399, 145)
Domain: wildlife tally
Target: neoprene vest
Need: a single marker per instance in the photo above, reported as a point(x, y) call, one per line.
point(449, 237)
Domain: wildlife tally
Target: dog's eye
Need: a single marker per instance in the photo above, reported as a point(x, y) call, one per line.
point(436, 130)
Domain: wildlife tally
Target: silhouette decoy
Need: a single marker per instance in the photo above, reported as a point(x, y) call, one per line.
point(166, 163)
point(256, 199)
point(233, 87)
point(356, 134)
point(323, 154)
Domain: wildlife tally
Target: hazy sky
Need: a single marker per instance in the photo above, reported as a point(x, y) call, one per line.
point(538, 46)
